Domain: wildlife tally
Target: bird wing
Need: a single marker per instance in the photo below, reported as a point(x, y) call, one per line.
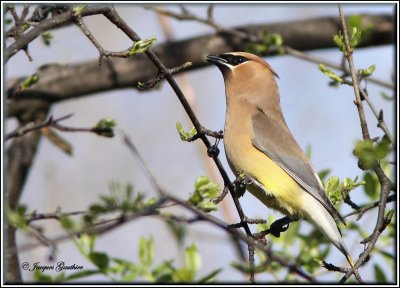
point(273, 137)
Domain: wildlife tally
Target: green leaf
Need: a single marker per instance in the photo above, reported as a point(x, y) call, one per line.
point(21, 209)
point(185, 136)
point(380, 276)
point(128, 270)
point(146, 251)
point(355, 37)
point(389, 257)
point(164, 267)
point(350, 184)
point(207, 206)
point(370, 153)
point(206, 187)
point(339, 41)
point(269, 41)
point(178, 230)
point(196, 198)
point(209, 277)
point(205, 190)
point(386, 96)
point(333, 189)
point(308, 151)
point(17, 219)
point(165, 278)
point(97, 209)
point(318, 261)
point(82, 274)
point(105, 127)
point(371, 185)
point(242, 267)
point(367, 72)
point(382, 148)
point(183, 275)
point(46, 37)
point(99, 259)
point(323, 174)
point(355, 21)
point(78, 9)
point(140, 85)
point(389, 214)
point(60, 277)
point(39, 276)
point(66, 222)
point(25, 26)
point(141, 46)
point(192, 260)
point(29, 81)
point(330, 73)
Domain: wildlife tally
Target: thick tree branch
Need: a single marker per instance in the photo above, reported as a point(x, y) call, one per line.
point(19, 159)
point(67, 81)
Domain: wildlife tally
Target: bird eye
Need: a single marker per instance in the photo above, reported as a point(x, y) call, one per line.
point(234, 60)
point(239, 60)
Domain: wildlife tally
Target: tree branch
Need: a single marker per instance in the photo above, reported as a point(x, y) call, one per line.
point(48, 24)
point(19, 159)
point(59, 83)
point(21, 131)
point(383, 179)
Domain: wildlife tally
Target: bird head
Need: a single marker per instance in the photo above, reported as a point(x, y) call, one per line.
point(239, 63)
point(247, 77)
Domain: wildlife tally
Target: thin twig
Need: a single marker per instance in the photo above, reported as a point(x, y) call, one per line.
point(383, 179)
point(378, 115)
point(101, 227)
point(44, 216)
point(161, 76)
point(317, 60)
point(18, 25)
point(251, 261)
point(146, 170)
point(368, 207)
point(349, 202)
point(28, 128)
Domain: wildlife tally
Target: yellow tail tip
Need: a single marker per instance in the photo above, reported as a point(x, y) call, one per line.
point(350, 261)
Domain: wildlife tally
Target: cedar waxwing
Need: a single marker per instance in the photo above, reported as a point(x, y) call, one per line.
point(259, 144)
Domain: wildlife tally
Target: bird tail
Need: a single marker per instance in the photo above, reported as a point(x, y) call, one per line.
point(342, 247)
point(323, 220)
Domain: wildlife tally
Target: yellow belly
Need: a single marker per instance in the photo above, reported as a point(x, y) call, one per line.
point(280, 191)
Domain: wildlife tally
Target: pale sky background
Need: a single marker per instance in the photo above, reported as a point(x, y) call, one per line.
point(318, 115)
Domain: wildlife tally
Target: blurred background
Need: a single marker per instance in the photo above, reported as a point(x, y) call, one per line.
point(320, 116)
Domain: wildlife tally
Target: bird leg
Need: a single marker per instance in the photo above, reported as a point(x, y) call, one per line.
point(213, 151)
point(277, 227)
point(239, 186)
point(241, 183)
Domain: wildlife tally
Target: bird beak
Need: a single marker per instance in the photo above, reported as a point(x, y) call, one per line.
point(220, 62)
point(215, 59)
